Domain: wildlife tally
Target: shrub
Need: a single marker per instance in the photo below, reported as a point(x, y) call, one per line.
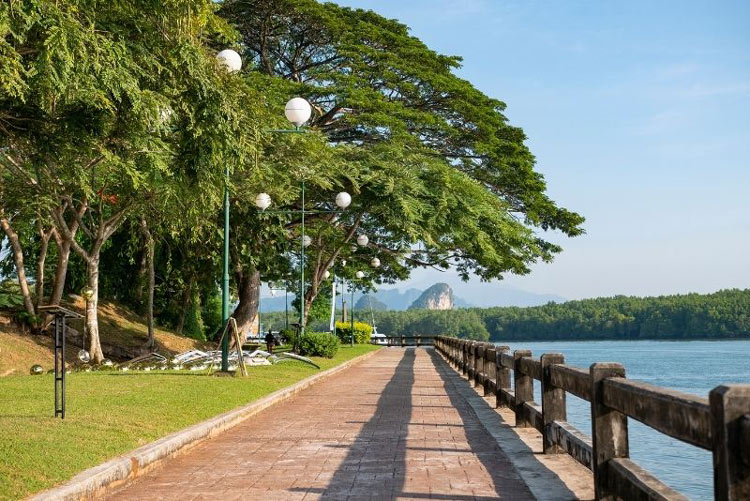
point(287, 336)
point(319, 344)
point(362, 332)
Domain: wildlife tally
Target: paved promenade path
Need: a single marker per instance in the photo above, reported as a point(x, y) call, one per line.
point(390, 427)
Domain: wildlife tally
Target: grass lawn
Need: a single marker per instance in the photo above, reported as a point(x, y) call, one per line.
point(109, 413)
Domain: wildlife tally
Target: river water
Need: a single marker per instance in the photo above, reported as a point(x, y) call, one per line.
point(689, 366)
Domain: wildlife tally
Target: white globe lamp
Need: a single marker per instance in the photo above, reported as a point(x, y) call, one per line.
point(360, 274)
point(343, 200)
point(306, 241)
point(263, 201)
point(326, 275)
point(362, 240)
point(230, 60)
point(298, 111)
point(375, 263)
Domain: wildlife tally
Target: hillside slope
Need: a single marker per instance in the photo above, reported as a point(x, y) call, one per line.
point(123, 334)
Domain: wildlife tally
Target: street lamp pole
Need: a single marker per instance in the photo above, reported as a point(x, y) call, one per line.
point(302, 269)
point(352, 308)
point(232, 62)
point(225, 278)
point(342, 201)
point(297, 111)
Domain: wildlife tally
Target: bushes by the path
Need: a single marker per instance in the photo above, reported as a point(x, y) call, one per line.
point(362, 332)
point(319, 344)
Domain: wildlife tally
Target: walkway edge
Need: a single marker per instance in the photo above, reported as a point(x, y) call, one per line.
point(544, 483)
point(95, 481)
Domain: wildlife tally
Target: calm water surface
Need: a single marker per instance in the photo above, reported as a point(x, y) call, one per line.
point(690, 366)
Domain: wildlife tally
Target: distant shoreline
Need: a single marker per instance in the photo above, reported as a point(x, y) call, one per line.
point(601, 340)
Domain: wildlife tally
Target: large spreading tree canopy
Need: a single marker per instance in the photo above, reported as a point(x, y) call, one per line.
point(460, 181)
point(116, 124)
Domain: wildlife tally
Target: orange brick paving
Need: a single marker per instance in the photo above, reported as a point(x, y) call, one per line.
point(386, 428)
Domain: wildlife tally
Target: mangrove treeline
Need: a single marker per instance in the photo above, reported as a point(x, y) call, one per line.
point(721, 315)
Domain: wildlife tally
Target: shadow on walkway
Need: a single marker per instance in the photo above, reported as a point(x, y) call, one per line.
point(484, 445)
point(376, 461)
point(376, 464)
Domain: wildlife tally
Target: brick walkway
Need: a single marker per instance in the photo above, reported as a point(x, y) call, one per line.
point(384, 429)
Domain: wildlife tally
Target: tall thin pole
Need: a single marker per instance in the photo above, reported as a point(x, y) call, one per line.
point(302, 268)
point(286, 305)
point(352, 308)
point(225, 278)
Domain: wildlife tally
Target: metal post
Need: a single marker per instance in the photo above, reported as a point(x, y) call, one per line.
point(286, 306)
point(60, 365)
point(333, 301)
point(225, 278)
point(352, 308)
point(302, 269)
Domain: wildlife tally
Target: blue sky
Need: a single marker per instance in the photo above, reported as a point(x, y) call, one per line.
point(638, 113)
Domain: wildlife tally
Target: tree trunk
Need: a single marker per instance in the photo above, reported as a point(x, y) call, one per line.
point(151, 286)
point(249, 295)
point(140, 281)
point(61, 273)
point(15, 246)
point(39, 285)
point(92, 311)
point(151, 281)
point(186, 296)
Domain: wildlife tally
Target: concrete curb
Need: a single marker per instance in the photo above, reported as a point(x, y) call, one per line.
point(93, 482)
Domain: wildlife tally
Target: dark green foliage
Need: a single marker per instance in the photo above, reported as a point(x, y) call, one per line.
point(319, 344)
point(194, 326)
point(460, 323)
point(211, 313)
point(724, 314)
point(362, 332)
point(10, 296)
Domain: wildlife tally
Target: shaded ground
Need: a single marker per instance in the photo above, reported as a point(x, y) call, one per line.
point(386, 428)
point(118, 326)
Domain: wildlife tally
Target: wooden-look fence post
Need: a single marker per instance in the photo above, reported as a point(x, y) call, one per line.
point(464, 358)
point(523, 387)
point(731, 438)
point(479, 364)
point(472, 360)
point(553, 402)
point(489, 371)
point(609, 429)
point(502, 375)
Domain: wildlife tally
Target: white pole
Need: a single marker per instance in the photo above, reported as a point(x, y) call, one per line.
point(333, 306)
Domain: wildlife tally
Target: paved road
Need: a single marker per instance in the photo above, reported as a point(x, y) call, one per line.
point(387, 428)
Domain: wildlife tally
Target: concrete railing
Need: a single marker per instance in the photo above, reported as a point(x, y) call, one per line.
point(719, 423)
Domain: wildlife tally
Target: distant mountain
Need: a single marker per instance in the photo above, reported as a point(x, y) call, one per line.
point(396, 300)
point(465, 295)
point(437, 297)
point(369, 301)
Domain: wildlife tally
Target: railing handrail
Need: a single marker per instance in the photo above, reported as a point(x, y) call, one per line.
point(719, 423)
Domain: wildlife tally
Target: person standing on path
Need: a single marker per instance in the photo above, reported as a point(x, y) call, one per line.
point(270, 342)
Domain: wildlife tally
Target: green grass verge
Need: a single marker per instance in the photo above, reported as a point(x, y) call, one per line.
point(110, 413)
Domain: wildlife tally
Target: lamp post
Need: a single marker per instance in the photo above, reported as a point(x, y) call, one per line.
point(83, 354)
point(297, 111)
point(342, 201)
point(232, 62)
point(359, 275)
